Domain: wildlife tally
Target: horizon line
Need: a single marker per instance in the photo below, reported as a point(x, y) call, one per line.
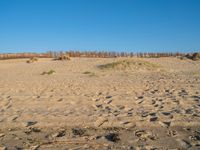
point(89, 50)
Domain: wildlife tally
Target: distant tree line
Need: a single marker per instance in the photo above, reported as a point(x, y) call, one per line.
point(88, 54)
point(107, 54)
point(24, 55)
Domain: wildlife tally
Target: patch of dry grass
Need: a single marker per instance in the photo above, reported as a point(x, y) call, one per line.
point(130, 64)
point(64, 57)
point(91, 74)
point(48, 73)
point(31, 60)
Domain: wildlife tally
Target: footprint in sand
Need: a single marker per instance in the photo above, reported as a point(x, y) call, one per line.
point(108, 101)
point(13, 118)
point(153, 118)
point(116, 112)
point(144, 114)
point(165, 123)
point(30, 123)
point(59, 133)
point(171, 133)
point(78, 131)
point(183, 144)
point(100, 121)
point(144, 135)
point(109, 96)
point(2, 135)
point(121, 107)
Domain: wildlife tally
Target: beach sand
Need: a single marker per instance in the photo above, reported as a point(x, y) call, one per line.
point(82, 106)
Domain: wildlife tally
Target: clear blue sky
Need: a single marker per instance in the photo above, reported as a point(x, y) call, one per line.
point(126, 25)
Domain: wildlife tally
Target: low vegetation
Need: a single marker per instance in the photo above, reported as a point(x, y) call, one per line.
point(31, 60)
point(129, 64)
point(64, 57)
point(89, 73)
point(194, 56)
point(48, 73)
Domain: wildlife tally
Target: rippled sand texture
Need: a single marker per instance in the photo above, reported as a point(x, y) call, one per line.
point(151, 103)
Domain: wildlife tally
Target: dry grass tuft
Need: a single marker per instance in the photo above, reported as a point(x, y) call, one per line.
point(64, 57)
point(48, 73)
point(192, 56)
point(195, 56)
point(130, 64)
point(31, 60)
point(91, 74)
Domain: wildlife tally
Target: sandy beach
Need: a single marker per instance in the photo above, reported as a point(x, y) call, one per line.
point(91, 103)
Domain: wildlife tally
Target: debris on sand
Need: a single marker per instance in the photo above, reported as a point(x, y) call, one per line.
point(30, 123)
point(78, 131)
point(192, 56)
point(113, 137)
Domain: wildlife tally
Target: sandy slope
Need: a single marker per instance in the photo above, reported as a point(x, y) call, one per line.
point(105, 109)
